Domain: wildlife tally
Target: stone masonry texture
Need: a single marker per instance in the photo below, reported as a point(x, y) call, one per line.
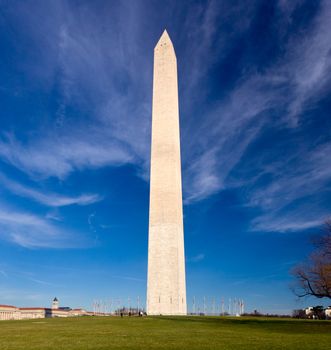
point(166, 290)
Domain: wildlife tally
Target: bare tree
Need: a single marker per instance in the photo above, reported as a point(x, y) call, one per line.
point(314, 276)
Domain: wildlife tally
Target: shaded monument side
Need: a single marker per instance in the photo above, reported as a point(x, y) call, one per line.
point(166, 290)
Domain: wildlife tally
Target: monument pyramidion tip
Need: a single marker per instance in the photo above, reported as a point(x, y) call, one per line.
point(164, 39)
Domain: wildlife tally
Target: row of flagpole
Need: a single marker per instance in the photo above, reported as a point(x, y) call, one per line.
point(112, 305)
point(234, 306)
point(206, 306)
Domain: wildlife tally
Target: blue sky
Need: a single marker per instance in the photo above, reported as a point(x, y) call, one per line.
point(75, 120)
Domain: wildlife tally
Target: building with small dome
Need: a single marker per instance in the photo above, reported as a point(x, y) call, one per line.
point(10, 312)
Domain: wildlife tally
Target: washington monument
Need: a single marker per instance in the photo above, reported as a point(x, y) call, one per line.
point(166, 290)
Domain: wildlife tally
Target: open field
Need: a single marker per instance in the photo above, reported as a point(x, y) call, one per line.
point(164, 333)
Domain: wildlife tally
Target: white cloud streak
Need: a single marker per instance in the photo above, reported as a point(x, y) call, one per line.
point(309, 63)
point(300, 179)
point(46, 198)
point(32, 231)
point(304, 175)
point(51, 157)
point(197, 258)
point(284, 223)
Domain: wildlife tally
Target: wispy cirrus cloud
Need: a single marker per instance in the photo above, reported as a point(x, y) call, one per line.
point(285, 223)
point(290, 86)
point(90, 65)
point(197, 258)
point(47, 198)
point(302, 175)
point(298, 77)
point(31, 231)
point(289, 201)
point(44, 283)
point(309, 64)
point(224, 138)
point(59, 157)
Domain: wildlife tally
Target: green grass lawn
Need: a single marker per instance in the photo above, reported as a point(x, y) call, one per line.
point(165, 333)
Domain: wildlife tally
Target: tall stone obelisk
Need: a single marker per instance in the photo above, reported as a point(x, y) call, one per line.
point(166, 290)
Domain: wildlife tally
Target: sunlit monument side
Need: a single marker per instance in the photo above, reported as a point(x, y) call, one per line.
point(166, 290)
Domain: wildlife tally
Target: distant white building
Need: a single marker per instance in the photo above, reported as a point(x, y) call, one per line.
point(328, 312)
point(10, 312)
point(79, 312)
point(309, 311)
point(34, 312)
